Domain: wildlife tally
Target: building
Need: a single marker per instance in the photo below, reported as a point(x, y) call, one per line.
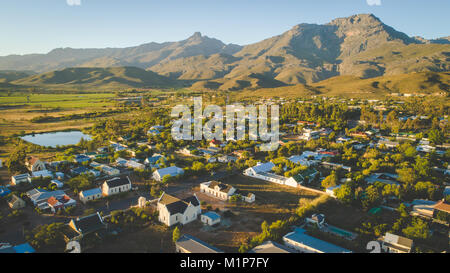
point(302, 177)
point(190, 244)
point(116, 185)
point(217, 189)
point(271, 247)
point(389, 144)
point(249, 198)
point(304, 243)
point(58, 183)
point(23, 248)
point(15, 202)
point(309, 134)
point(86, 225)
point(57, 203)
point(20, 178)
point(386, 178)
point(158, 175)
point(33, 164)
point(392, 243)
point(4, 191)
point(90, 195)
point(173, 210)
point(39, 197)
point(210, 218)
point(110, 170)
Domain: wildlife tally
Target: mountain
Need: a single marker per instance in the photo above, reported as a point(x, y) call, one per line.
point(98, 78)
point(360, 45)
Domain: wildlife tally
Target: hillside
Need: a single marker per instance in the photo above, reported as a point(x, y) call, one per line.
point(429, 83)
point(360, 45)
point(98, 78)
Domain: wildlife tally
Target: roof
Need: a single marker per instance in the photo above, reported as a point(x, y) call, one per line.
point(88, 224)
point(32, 160)
point(398, 241)
point(172, 171)
point(176, 205)
point(194, 245)
point(211, 215)
point(270, 247)
point(91, 192)
point(117, 182)
point(442, 206)
point(23, 248)
point(222, 187)
point(263, 167)
point(321, 246)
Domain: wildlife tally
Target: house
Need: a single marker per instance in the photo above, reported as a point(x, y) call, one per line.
point(4, 191)
point(300, 241)
point(42, 174)
point(215, 143)
point(217, 189)
point(389, 144)
point(302, 177)
point(33, 164)
point(271, 247)
point(116, 185)
point(87, 224)
point(81, 158)
point(210, 218)
point(58, 183)
point(39, 197)
point(335, 166)
point(259, 168)
point(153, 132)
point(392, 243)
point(110, 170)
point(158, 175)
point(442, 208)
point(226, 159)
point(20, 178)
point(386, 178)
point(57, 203)
point(23, 248)
point(249, 198)
point(299, 159)
point(154, 159)
point(173, 210)
point(90, 195)
point(309, 134)
point(190, 244)
point(15, 202)
point(80, 170)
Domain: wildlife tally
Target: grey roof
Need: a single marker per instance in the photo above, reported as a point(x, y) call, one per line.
point(271, 247)
point(194, 245)
point(88, 224)
point(117, 181)
point(321, 246)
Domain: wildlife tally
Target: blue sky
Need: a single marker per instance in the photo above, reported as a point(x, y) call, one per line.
point(37, 26)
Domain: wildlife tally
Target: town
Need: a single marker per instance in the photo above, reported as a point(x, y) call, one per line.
point(347, 173)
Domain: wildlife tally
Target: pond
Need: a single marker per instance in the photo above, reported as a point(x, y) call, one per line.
point(56, 138)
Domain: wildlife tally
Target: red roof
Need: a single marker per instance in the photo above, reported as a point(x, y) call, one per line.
point(442, 206)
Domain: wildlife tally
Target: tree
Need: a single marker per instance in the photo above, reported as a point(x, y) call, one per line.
point(330, 181)
point(436, 136)
point(418, 229)
point(372, 197)
point(345, 194)
point(176, 234)
point(407, 175)
point(16, 161)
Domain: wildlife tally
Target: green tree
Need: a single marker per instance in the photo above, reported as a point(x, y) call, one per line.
point(176, 234)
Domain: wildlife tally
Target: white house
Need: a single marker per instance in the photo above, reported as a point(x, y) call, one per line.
point(158, 175)
point(90, 195)
point(173, 210)
point(210, 218)
point(20, 178)
point(392, 243)
point(259, 168)
point(33, 164)
point(217, 189)
point(249, 198)
point(116, 185)
point(110, 170)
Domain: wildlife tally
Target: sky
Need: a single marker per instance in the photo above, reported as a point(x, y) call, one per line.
point(38, 26)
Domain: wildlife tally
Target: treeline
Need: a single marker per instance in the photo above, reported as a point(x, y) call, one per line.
point(42, 119)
